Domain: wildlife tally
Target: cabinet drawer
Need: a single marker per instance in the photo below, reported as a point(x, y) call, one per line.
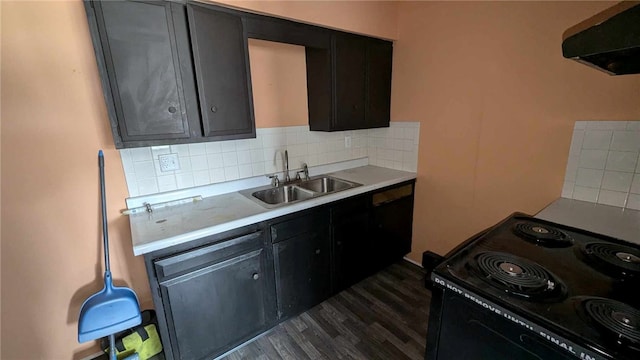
point(350, 208)
point(299, 225)
point(193, 259)
point(393, 194)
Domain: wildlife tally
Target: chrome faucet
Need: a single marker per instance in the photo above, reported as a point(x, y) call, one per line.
point(286, 167)
point(305, 171)
point(275, 182)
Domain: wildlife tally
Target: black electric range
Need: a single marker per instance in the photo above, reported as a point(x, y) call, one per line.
point(532, 289)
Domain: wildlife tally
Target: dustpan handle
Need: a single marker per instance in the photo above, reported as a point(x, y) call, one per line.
point(103, 201)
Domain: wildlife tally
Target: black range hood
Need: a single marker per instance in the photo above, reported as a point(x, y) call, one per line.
point(608, 41)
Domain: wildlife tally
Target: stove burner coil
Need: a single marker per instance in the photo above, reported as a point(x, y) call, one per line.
point(518, 276)
point(618, 318)
point(614, 258)
point(542, 235)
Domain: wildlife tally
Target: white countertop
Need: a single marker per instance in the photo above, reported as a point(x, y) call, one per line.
point(608, 220)
point(182, 223)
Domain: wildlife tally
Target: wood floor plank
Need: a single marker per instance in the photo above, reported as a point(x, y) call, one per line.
point(349, 348)
point(383, 317)
point(403, 346)
point(301, 340)
point(320, 339)
point(266, 347)
point(286, 348)
point(343, 331)
point(315, 314)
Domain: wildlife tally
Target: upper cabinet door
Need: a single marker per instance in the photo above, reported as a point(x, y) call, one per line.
point(143, 83)
point(350, 79)
point(222, 73)
point(349, 85)
point(379, 61)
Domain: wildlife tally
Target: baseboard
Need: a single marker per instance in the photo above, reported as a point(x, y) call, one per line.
point(411, 261)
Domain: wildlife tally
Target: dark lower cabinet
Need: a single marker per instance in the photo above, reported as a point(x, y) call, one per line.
point(351, 241)
point(216, 297)
point(301, 254)
point(391, 225)
point(370, 232)
point(214, 293)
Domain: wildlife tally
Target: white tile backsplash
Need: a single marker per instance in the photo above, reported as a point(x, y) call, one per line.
point(633, 202)
point(589, 177)
point(622, 161)
point(626, 140)
point(605, 125)
point(585, 193)
point(394, 147)
point(613, 198)
point(592, 159)
point(635, 184)
point(597, 139)
point(617, 181)
point(602, 160)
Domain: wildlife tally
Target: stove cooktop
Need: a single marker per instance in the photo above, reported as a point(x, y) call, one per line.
point(583, 286)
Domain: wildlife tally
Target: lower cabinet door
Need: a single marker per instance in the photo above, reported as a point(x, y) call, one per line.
point(302, 266)
point(353, 251)
point(216, 307)
point(392, 228)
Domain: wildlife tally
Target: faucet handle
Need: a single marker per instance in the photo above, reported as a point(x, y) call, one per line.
point(304, 170)
point(275, 182)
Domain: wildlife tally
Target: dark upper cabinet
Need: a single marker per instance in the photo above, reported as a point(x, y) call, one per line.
point(350, 81)
point(349, 87)
point(135, 44)
point(379, 64)
point(146, 62)
point(221, 59)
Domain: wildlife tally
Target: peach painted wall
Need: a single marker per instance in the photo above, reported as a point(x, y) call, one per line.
point(53, 123)
point(279, 82)
point(375, 18)
point(497, 102)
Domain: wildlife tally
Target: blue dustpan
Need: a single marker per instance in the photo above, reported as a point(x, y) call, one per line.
point(111, 310)
point(114, 308)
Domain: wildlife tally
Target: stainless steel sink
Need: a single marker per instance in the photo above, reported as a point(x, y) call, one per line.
point(326, 184)
point(282, 194)
point(300, 190)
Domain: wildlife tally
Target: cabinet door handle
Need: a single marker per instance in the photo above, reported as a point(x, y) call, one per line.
point(172, 109)
point(256, 276)
point(214, 109)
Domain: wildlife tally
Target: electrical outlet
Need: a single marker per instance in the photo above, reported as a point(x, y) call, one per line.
point(347, 142)
point(169, 162)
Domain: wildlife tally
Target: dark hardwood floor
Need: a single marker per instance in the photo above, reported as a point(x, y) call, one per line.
point(382, 317)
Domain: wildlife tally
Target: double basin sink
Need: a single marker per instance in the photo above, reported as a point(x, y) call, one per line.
point(298, 191)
